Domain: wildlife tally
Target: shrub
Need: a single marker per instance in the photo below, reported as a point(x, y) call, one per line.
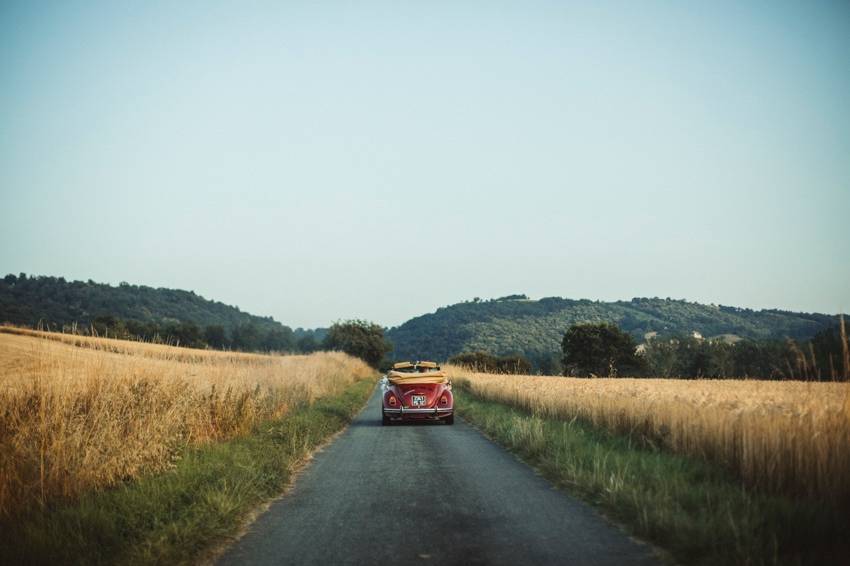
point(599, 349)
point(482, 361)
point(359, 338)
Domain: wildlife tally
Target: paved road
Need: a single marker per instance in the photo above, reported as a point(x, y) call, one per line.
point(421, 494)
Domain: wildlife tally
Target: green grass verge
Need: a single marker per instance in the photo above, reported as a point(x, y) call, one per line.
point(695, 510)
point(176, 516)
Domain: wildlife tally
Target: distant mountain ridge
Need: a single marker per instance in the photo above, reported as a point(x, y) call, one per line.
point(534, 328)
point(510, 325)
point(30, 300)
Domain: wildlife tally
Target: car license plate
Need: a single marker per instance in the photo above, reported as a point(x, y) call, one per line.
point(417, 400)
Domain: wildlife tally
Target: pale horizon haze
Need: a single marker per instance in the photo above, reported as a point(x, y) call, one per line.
point(324, 161)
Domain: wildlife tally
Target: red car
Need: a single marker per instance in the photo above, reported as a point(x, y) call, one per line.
point(417, 392)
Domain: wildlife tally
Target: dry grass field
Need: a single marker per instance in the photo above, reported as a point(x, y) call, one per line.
point(80, 413)
point(142, 349)
point(787, 437)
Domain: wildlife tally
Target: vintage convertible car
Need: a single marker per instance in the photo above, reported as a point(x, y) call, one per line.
point(417, 392)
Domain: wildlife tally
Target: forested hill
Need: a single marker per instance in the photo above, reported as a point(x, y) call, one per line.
point(534, 328)
point(55, 301)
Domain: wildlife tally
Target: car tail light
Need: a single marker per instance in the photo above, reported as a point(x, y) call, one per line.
point(443, 400)
point(392, 400)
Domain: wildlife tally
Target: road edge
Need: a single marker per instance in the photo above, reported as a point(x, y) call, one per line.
point(211, 555)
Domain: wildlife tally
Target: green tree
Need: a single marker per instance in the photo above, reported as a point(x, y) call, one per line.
point(246, 337)
point(485, 362)
point(476, 361)
point(721, 359)
point(186, 334)
point(278, 340)
point(215, 336)
point(308, 343)
point(599, 349)
point(694, 357)
point(359, 338)
point(827, 348)
point(549, 363)
point(661, 357)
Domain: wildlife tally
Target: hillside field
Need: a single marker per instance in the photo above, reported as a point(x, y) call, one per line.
point(80, 414)
point(712, 471)
point(787, 437)
point(534, 328)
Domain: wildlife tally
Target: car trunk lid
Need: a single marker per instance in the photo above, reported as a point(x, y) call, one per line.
point(431, 391)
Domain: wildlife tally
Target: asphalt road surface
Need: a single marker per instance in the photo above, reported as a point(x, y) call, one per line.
point(427, 494)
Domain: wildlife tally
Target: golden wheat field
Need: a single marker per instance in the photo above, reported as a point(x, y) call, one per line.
point(79, 413)
point(787, 437)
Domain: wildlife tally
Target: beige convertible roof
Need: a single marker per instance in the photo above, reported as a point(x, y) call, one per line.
point(398, 378)
point(408, 373)
point(405, 378)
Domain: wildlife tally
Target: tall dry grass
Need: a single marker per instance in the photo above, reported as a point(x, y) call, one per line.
point(788, 437)
point(133, 347)
point(77, 418)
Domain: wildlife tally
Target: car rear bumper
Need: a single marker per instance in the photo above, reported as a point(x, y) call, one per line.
point(402, 412)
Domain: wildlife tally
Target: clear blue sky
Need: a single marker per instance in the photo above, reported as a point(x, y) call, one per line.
point(327, 160)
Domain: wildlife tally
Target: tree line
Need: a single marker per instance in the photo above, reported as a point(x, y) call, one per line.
point(146, 311)
point(244, 336)
point(535, 328)
point(359, 338)
point(488, 363)
point(604, 350)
